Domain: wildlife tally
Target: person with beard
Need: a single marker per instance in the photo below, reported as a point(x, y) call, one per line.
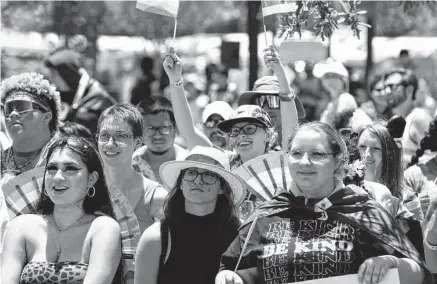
point(84, 99)
point(159, 138)
point(213, 114)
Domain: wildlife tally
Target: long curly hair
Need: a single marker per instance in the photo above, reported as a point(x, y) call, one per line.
point(100, 203)
point(174, 206)
point(428, 142)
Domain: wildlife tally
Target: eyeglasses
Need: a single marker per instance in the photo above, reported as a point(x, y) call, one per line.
point(119, 138)
point(20, 107)
point(212, 123)
point(313, 156)
point(164, 130)
point(271, 100)
point(247, 129)
point(207, 177)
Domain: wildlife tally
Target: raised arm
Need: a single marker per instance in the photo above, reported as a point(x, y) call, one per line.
point(148, 256)
point(105, 253)
point(182, 112)
point(289, 116)
point(14, 251)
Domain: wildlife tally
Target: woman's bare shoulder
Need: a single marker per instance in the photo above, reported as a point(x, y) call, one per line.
point(105, 222)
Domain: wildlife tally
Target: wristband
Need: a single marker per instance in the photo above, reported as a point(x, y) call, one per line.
point(179, 83)
point(286, 97)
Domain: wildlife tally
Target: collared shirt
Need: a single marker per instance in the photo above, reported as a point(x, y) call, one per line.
point(141, 166)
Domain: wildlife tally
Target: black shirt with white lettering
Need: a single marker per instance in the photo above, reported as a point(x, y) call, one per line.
point(294, 246)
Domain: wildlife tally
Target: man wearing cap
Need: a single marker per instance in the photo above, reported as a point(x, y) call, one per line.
point(213, 114)
point(84, 99)
point(265, 94)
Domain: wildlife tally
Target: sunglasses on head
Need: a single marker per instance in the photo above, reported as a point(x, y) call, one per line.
point(20, 107)
point(211, 123)
point(272, 101)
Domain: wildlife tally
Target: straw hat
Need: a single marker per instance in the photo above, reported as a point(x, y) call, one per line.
point(208, 158)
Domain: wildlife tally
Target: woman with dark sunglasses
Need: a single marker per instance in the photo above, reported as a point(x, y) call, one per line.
point(72, 237)
point(199, 223)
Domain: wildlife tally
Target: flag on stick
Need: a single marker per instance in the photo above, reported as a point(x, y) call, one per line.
point(266, 175)
point(168, 8)
point(162, 7)
point(271, 7)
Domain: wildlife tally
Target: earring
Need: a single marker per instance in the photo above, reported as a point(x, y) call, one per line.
point(45, 192)
point(88, 192)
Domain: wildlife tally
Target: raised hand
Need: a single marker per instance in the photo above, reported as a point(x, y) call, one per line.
point(173, 66)
point(272, 60)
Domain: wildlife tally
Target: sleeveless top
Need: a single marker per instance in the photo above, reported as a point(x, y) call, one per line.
point(67, 272)
point(143, 209)
point(196, 245)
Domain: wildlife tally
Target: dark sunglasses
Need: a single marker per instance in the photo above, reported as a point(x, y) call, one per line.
point(272, 101)
point(20, 107)
point(77, 144)
point(212, 123)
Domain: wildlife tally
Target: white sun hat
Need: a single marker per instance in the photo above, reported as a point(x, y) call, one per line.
point(208, 158)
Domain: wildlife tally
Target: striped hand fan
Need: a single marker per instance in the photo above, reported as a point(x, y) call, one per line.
point(22, 192)
point(266, 175)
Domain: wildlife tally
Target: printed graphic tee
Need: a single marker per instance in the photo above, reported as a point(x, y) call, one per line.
point(295, 246)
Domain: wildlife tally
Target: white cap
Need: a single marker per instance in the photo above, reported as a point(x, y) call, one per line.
point(218, 107)
point(330, 67)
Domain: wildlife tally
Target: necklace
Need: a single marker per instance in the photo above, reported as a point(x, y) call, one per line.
point(78, 221)
point(18, 168)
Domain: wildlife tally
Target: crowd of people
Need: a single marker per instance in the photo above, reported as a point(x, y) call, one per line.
point(99, 192)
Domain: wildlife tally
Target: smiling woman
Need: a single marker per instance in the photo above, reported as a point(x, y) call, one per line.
point(119, 134)
point(299, 229)
point(73, 236)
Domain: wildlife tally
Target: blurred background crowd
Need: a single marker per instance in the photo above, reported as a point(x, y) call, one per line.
point(123, 47)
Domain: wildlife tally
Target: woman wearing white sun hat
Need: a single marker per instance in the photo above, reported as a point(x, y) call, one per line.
point(199, 221)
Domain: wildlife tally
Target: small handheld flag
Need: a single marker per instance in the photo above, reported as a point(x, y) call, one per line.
point(271, 7)
point(168, 8)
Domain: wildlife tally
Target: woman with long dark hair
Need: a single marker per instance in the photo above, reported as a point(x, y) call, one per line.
point(73, 237)
point(199, 223)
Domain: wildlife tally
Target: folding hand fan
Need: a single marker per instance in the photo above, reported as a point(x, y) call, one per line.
point(266, 175)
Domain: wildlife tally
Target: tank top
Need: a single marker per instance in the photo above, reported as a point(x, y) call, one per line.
point(196, 246)
point(36, 272)
point(143, 209)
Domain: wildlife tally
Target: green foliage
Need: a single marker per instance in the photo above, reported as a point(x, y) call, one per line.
point(324, 16)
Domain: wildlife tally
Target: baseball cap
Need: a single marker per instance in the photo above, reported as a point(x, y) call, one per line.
point(246, 113)
point(218, 107)
point(267, 85)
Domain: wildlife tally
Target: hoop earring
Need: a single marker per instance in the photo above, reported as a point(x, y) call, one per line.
point(45, 192)
point(88, 192)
